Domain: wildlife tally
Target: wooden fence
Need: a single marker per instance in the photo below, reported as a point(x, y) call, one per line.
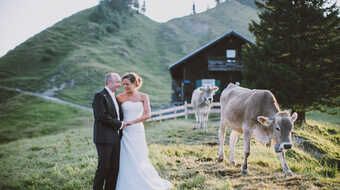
point(180, 111)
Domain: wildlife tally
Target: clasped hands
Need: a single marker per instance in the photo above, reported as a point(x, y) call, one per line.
point(125, 124)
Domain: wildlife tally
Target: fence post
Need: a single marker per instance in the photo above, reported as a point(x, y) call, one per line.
point(186, 109)
point(175, 112)
point(160, 115)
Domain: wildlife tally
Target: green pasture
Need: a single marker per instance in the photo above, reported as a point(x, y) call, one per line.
point(24, 116)
point(48, 146)
point(64, 156)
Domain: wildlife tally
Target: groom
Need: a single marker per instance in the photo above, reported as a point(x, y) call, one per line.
point(107, 133)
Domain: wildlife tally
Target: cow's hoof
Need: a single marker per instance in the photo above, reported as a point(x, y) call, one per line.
point(194, 129)
point(220, 158)
point(232, 163)
point(289, 173)
point(244, 172)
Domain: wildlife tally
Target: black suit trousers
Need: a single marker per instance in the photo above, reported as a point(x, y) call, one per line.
point(108, 166)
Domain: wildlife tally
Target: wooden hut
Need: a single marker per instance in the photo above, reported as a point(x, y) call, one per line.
point(215, 63)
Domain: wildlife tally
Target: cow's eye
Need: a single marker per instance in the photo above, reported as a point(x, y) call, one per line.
point(278, 128)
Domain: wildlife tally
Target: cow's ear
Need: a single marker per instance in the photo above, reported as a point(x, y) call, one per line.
point(265, 121)
point(215, 88)
point(294, 117)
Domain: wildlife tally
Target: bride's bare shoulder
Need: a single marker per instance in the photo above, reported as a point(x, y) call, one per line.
point(143, 95)
point(121, 97)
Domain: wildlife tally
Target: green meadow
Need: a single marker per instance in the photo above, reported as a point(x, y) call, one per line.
point(48, 146)
point(51, 148)
point(24, 116)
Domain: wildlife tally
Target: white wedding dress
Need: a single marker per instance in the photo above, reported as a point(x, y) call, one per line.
point(135, 169)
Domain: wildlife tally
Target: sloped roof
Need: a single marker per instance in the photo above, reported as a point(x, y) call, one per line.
point(208, 45)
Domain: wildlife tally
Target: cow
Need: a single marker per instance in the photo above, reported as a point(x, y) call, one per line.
point(201, 100)
point(254, 113)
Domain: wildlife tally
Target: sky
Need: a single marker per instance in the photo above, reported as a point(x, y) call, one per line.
point(22, 19)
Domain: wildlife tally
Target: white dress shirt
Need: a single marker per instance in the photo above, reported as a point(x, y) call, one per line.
point(114, 101)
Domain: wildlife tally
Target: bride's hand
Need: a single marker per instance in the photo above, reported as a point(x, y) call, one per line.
point(129, 123)
point(125, 124)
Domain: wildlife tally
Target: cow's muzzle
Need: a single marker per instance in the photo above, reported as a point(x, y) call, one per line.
point(287, 146)
point(279, 147)
point(208, 101)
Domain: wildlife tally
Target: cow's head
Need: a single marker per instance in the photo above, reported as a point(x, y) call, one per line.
point(207, 93)
point(282, 125)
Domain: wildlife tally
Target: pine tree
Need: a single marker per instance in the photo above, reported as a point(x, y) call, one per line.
point(120, 5)
point(296, 54)
point(143, 9)
point(136, 5)
point(193, 8)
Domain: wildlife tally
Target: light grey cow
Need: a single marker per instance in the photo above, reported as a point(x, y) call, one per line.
point(201, 100)
point(254, 113)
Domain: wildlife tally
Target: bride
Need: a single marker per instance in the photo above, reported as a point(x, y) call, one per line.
point(135, 169)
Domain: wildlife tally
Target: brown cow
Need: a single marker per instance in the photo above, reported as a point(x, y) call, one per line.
point(254, 113)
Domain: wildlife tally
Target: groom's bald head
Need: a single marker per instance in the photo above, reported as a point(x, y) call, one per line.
point(112, 81)
point(111, 77)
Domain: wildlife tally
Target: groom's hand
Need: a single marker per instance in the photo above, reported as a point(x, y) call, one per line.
point(124, 125)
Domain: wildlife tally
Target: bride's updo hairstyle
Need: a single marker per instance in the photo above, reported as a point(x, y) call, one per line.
point(134, 78)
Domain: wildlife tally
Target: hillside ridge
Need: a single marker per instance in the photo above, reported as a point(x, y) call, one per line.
point(73, 56)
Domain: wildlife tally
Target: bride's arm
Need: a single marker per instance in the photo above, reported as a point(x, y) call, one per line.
point(147, 110)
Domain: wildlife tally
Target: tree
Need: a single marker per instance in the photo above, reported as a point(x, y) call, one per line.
point(193, 8)
point(296, 54)
point(143, 9)
point(120, 5)
point(136, 5)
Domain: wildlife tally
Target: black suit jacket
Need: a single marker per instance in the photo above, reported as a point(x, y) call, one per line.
point(106, 125)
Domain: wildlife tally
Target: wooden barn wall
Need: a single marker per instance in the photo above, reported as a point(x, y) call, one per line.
point(218, 50)
point(196, 68)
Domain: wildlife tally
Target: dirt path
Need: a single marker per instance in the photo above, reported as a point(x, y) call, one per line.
point(57, 100)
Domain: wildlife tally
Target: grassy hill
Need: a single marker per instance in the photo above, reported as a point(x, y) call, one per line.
point(24, 116)
point(67, 160)
point(49, 146)
point(45, 145)
point(74, 54)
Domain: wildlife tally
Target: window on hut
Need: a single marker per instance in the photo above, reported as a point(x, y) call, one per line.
point(231, 56)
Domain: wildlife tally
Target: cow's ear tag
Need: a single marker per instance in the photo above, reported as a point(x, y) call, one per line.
point(215, 88)
point(201, 89)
